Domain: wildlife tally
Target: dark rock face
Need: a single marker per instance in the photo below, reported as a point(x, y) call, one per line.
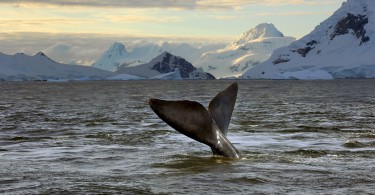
point(170, 63)
point(304, 51)
point(202, 75)
point(312, 43)
point(356, 23)
point(280, 61)
point(352, 22)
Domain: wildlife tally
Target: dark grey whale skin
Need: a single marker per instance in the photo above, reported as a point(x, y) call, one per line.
point(195, 121)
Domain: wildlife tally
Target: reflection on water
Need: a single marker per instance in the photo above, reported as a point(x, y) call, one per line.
point(101, 137)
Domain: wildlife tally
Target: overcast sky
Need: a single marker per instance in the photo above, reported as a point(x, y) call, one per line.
point(38, 24)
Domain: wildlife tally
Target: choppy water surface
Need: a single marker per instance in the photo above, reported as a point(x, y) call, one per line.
point(101, 137)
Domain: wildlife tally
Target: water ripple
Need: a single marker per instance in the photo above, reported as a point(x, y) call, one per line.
point(313, 137)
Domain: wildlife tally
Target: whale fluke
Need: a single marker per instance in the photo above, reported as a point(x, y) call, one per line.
point(195, 121)
point(222, 105)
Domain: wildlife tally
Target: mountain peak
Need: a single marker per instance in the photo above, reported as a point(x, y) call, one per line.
point(111, 59)
point(260, 31)
point(165, 57)
point(40, 54)
point(43, 56)
point(168, 65)
point(117, 49)
point(165, 53)
point(264, 30)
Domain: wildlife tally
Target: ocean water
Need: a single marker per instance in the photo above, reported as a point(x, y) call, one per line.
point(296, 137)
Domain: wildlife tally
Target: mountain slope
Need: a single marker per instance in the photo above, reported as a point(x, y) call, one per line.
point(174, 75)
point(165, 63)
point(342, 46)
point(39, 66)
point(251, 48)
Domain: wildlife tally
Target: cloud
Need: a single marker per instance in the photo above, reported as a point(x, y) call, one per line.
point(84, 48)
point(41, 21)
point(180, 4)
point(41, 24)
point(188, 4)
point(143, 18)
point(72, 54)
point(226, 17)
point(295, 13)
point(65, 48)
point(237, 4)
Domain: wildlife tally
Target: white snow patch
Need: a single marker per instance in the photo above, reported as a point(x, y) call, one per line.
point(125, 77)
point(175, 75)
point(308, 75)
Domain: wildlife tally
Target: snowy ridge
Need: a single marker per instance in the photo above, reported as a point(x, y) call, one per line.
point(41, 67)
point(260, 31)
point(250, 49)
point(142, 52)
point(342, 46)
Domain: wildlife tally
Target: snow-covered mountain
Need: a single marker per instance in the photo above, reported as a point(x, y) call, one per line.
point(342, 46)
point(39, 67)
point(112, 58)
point(250, 49)
point(165, 63)
point(141, 53)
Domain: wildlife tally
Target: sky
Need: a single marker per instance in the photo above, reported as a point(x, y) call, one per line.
point(90, 26)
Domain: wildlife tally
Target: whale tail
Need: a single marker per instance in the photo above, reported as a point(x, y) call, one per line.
point(195, 121)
